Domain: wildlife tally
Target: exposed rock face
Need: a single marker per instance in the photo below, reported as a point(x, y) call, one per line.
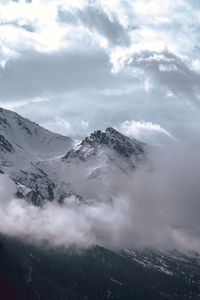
point(110, 138)
point(115, 140)
point(5, 146)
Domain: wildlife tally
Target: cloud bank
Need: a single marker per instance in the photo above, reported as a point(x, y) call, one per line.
point(158, 206)
point(138, 59)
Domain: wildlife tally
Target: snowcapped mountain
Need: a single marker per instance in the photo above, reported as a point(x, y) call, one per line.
point(110, 139)
point(23, 141)
point(45, 166)
point(49, 167)
point(22, 145)
point(94, 164)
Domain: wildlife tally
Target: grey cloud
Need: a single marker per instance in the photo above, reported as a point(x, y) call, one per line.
point(76, 81)
point(95, 18)
point(77, 78)
point(27, 27)
point(171, 72)
point(34, 74)
point(193, 3)
point(103, 111)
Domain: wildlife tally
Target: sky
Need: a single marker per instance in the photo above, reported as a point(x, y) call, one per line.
point(77, 66)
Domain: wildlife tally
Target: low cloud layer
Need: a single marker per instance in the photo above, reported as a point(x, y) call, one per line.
point(158, 206)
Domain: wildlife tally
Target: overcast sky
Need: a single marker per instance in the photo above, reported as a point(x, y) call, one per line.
point(77, 66)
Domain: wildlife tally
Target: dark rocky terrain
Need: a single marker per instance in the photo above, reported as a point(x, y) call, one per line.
point(32, 272)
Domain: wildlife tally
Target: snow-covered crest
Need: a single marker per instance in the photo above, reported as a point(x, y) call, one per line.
point(47, 167)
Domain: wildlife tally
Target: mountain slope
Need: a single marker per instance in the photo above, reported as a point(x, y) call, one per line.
point(22, 145)
point(111, 139)
point(46, 167)
point(93, 165)
point(98, 273)
point(23, 141)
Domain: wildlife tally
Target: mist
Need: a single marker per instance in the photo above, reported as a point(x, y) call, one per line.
point(157, 206)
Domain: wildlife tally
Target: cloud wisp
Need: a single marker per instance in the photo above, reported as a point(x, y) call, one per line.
point(148, 132)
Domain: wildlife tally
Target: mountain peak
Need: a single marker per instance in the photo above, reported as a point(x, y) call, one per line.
point(112, 130)
point(110, 139)
point(115, 140)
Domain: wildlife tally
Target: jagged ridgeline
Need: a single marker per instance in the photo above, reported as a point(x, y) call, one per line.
point(48, 167)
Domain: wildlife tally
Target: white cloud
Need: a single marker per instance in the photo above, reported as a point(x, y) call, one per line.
point(167, 68)
point(158, 206)
point(148, 132)
point(196, 65)
point(36, 25)
point(19, 104)
point(84, 124)
point(59, 125)
point(142, 44)
point(39, 99)
point(169, 94)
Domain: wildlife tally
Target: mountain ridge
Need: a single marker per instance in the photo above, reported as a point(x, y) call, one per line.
point(112, 139)
point(30, 139)
point(43, 173)
point(99, 163)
